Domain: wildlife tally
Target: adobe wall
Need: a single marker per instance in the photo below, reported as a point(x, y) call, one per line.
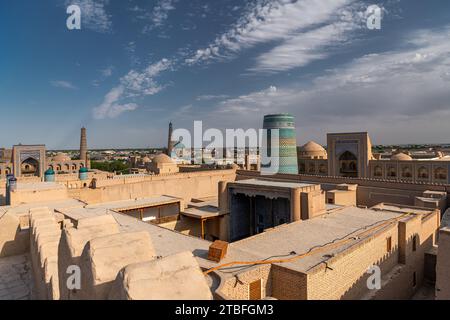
point(45, 234)
point(370, 192)
point(348, 277)
point(400, 283)
point(181, 185)
point(13, 239)
point(346, 274)
point(175, 277)
point(443, 265)
point(2, 192)
point(288, 284)
point(237, 288)
point(30, 196)
point(112, 264)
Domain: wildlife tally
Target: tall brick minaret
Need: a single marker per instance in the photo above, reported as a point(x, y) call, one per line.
point(83, 148)
point(169, 142)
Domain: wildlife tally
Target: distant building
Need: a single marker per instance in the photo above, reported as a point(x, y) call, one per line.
point(162, 164)
point(28, 161)
point(350, 155)
point(285, 125)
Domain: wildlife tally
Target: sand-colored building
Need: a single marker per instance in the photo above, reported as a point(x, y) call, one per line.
point(31, 161)
point(335, 233)
point(350, 155)
point(121, 228)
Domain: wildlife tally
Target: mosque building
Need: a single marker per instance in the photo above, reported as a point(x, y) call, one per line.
point(350, 155)
point(31, 161)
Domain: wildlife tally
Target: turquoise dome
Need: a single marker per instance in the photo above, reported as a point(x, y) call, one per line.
point(49, 175)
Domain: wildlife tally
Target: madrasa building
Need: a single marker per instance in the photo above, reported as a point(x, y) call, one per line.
point(350, 155)
point(31, 161)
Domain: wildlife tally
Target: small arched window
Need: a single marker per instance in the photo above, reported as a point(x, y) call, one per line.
point(440, 174)
point(423, 173)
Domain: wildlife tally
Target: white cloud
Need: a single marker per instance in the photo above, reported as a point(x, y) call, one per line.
point(62, 84)
point(385, 93)
point(93, 14)
point(143, 83)
point(132, 85)
point(104, 74)
point(159, 14)
point(110, 108)
point(212, 97)
point(269, 21)
point(302, 49)
point(107, 72)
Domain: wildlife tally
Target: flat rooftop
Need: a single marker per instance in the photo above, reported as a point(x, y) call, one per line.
point(138, 203)
point(51, 204)
point(204, 212)
point(166, 242)
point(37, 186)
point(122, 205)
point(272, 183)
point(401, 209)
point(300, 237)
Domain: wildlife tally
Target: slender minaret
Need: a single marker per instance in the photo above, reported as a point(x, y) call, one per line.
point(83, 147)
point(169, 141)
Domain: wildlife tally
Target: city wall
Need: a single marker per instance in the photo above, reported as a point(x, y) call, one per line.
point(370, 192)
point(181, 185)
point(443, 265)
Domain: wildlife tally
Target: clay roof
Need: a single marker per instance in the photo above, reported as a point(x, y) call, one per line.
point(401, 157)
point(162, 158)
point(61, 157)
point(312, 146)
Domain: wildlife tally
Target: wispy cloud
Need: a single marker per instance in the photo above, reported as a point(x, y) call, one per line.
point(62, 84)
point(93, 14)
point(212, 97)
point(107, 72)
point(159, 14)
point(304, 48)
point(111, 108)
point(143, 83)
point(268, 21)
point(404, 85)
point(133, 85)
point(104, 74)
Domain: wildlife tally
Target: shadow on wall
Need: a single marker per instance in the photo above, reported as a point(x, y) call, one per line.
point(400, 277)
point(344, 276)
point(13, 240)
point(185, 225)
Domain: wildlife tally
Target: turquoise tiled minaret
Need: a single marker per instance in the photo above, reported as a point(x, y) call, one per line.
point(285, 123)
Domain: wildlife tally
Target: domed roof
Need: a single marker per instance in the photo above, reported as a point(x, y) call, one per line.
point(401, 157)
point(49, 171)
point(146, 159)
point(311, 146)
point(60, 156)
point(83, 170)
point(162, 158)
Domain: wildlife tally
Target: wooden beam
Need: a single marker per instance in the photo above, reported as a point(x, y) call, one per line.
point(203, 229)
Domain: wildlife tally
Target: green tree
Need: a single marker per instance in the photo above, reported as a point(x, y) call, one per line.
point(110, 166)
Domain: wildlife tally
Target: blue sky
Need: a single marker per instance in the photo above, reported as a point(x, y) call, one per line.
point(136, 65)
